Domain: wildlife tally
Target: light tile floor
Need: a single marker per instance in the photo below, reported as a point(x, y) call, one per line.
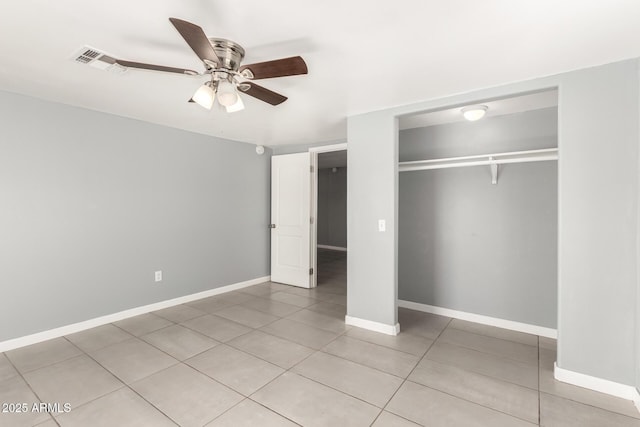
point(275, 355)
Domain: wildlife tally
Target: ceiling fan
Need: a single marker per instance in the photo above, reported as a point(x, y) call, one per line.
point(221, 59)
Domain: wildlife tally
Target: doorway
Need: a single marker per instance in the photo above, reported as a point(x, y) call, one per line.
point(329, 207)
point(304, 254)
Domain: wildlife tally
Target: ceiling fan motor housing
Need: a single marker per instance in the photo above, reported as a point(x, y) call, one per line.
point(229, 53)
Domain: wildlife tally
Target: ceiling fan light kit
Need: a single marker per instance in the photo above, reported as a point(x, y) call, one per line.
point(221, 59)
point(238, 106)
point(227, 95)
point(204, 96)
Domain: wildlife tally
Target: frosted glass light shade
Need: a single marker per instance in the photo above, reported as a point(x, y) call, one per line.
point(204, 96)
point(238, 106)
point(474, 112)
point(227, 95)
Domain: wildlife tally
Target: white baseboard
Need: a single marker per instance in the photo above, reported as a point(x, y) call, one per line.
point(623, 391)
point(636, 400)
point(485, 320)
point(110, 318)
point(373, 326)
point(333, 248)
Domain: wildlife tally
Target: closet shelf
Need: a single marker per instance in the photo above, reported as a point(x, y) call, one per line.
point(546, 154)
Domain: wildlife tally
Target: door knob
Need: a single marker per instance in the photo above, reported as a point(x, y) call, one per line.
point(272, 226)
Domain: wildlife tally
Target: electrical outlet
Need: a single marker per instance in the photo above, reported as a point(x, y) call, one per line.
point(159, 276)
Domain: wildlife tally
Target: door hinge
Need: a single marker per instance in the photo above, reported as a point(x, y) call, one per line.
point(311, 220)
point(311, 168)
point(311, 272)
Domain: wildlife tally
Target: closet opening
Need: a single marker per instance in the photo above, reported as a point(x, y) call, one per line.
point(478, 213)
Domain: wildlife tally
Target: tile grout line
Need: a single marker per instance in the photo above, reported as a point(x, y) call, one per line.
point(491, 354)
point(455, 396)
point(600, 408)
point(128, 386)
point(333, 388)
point(269, 409)
point(227, 343)
point(414, 368)
point(539, 404)
point(395, 349)
point(124, 384)
point(470, 401)
point(314, 351)
point(493, 336)
point(20, 374)
point(487, 375)
point(179, 362)
point(358, 363)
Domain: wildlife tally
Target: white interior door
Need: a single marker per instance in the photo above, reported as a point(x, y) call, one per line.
point(290, 219)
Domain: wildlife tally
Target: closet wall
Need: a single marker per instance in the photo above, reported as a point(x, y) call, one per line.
point(468, 245)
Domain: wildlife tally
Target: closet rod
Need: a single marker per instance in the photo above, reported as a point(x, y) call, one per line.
point(546, 154)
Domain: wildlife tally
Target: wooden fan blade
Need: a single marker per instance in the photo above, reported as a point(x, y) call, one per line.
point(261, 93)
point(196, 39)
point(140, 65)
point(276, 68)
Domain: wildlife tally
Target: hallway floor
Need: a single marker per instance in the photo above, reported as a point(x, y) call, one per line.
point(276, 355)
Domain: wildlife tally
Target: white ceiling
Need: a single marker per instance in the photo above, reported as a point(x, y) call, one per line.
point(362, 55)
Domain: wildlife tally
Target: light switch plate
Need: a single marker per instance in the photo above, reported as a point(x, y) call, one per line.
point(382, 225)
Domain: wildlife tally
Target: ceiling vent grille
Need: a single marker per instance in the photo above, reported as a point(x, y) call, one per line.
point(97, 59)
point(88, 55)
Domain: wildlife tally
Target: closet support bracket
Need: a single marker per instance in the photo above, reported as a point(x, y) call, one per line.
point(494, 170)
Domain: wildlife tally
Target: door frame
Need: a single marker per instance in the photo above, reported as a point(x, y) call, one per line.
point(314, 151)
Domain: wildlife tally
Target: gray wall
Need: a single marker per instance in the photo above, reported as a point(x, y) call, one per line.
point(598, 134)
point(468, 245)
point(332, 207)
point(372, 192)
point(598, 265)
point(92, 204)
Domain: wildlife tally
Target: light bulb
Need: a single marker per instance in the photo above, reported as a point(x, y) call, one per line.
point(227, 95)
point(474, 112)
point(204, 96)
point(238, 106)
